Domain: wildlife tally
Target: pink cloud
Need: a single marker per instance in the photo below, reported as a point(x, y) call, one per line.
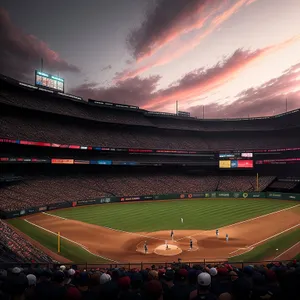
point(167, 21)
point(201, 81)
point(177, 52)
point(21, 53)
point(267, 99)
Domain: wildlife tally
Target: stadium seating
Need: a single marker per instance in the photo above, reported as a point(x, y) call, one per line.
point(14, 248)
point(48, 190)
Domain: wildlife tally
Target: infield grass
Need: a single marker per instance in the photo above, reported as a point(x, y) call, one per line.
point(203, 214)
point(268, 249)
point(69, 250)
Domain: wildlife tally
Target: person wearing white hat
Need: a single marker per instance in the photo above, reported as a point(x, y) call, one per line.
point(31, 280)
point(62, 267)
point(16, 271)
point(203, 289)
point(213, 272)
point(104, 278)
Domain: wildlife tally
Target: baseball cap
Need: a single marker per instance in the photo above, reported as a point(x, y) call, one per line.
point(62, 267)
point(169, 275)
point(136, 277)
point(105, 278)
point(183, 274)
point(154, 289)
point(213, 271)
point(73, 293)
point(71, 272)
point(153, 274)
point(3, 273)
point(124, 282)
point(222, 271)
point(58, 276)
point(31, 279)
point(16, 270)
point(204, 279)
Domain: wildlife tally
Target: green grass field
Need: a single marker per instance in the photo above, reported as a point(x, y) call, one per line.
point(268, 249)
point(204, 214)
point(69, 250)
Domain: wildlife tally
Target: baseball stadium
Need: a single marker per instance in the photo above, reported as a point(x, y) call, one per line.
point(91, 182)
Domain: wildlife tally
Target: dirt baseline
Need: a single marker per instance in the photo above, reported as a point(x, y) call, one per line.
point(120, 246)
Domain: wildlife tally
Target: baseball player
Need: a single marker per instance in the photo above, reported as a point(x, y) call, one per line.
point(227, 237)
point(191, 244)
point(172, 234)
point(167, 246)
point(146, 248)
point(217, 232)
point(181, 220)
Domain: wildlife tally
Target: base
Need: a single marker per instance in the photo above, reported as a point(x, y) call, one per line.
point(171, 251)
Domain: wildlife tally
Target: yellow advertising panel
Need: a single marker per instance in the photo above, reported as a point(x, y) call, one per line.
point(224, 164)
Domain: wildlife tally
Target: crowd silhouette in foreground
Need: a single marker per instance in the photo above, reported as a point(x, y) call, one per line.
point(276, 281)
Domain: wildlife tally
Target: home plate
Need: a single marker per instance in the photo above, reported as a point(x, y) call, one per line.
point(170, 251)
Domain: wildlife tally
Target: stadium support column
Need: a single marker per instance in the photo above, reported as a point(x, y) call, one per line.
point(177, 107)
point(257, 183)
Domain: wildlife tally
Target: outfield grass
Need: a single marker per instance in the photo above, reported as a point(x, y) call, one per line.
point(268, 249)
point(204, 214)
point(69, 250)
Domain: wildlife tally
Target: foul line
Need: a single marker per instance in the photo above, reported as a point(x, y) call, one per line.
point(245, 221)
point(80, 245)
point(113, 229)
point(287, 250)
point(251, 247)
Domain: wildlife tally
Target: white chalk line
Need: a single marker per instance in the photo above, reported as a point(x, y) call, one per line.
point(251, 247)
point(245, 221)
point(287, 250)
point(82, 246)
point(244, 248)
point(113, 229)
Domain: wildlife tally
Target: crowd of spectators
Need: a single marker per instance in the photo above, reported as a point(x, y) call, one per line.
point(283, 185)
point(275, 281)
point(15, 248)
point(11, 93)
point(40, 191)
point(66, 132)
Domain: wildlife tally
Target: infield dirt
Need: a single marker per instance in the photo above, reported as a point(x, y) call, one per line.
point(120, 246)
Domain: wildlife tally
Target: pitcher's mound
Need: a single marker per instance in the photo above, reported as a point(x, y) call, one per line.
point(170, 251)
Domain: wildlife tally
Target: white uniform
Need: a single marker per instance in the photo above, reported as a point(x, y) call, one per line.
point(227, 237)
point(181, 220)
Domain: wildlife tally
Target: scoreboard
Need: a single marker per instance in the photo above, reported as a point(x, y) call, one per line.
point(49, 81)
point(243, 160)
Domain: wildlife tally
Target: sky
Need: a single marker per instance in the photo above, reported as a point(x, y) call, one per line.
point(217, 58)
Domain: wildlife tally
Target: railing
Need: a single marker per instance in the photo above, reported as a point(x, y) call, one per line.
point(140, 265)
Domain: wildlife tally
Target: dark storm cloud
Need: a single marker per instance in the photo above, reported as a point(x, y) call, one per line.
point(135, 91)
point(21, 53)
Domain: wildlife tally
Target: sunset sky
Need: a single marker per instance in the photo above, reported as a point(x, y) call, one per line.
point(237, 58)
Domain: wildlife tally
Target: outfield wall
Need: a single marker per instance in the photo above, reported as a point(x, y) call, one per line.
point(104, 200)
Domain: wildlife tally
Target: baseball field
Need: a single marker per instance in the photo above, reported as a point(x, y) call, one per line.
point(258, 229)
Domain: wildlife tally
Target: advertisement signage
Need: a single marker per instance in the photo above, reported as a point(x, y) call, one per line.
point(245, 163)
point(224, 164)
